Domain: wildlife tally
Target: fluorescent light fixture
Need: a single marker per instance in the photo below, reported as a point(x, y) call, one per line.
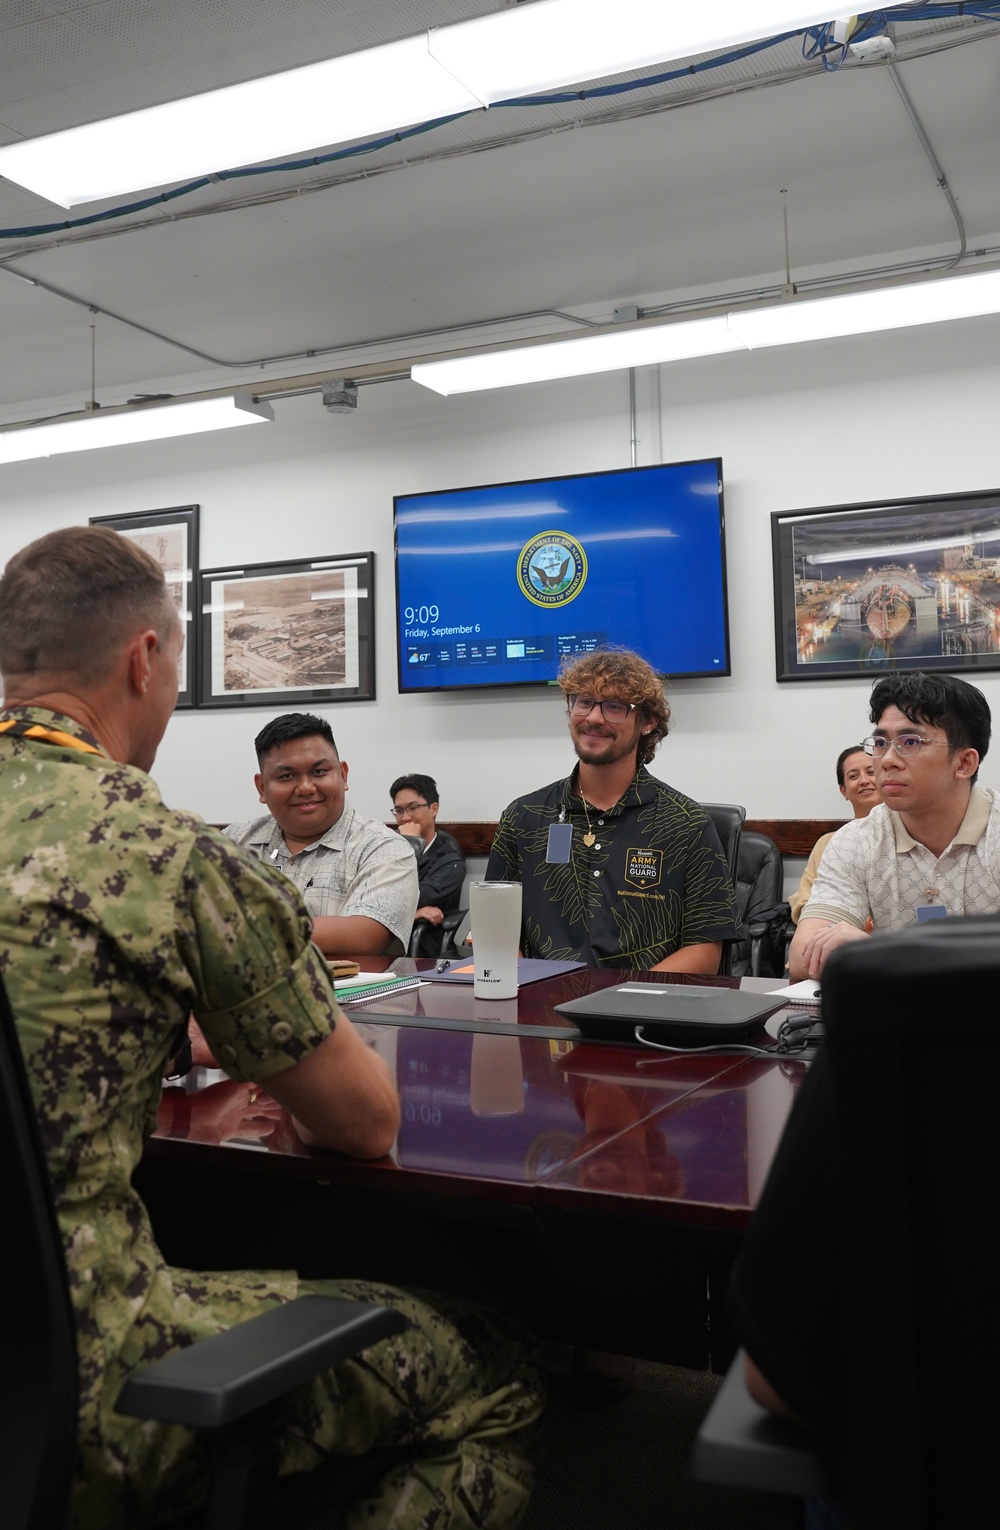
point(849, 313)
point(553, 43)
point(451, 69)
point(864, 313)
point(576, 358)
point(356, 96)
point(141, 423)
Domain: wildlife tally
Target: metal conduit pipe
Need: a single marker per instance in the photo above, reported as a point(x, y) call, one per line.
point(317, 350)
point(935, 163)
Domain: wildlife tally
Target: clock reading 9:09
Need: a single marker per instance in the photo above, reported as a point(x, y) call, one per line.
point(421, 613)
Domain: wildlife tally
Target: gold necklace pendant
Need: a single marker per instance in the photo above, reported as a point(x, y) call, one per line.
point(590, 836)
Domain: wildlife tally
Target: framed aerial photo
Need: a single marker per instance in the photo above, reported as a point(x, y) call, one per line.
point(288, 634)
point(171, 537)
point(891, 585)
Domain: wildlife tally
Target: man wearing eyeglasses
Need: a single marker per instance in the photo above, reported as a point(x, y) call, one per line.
point(932, 847)
point(617, 868)
point(440, 865)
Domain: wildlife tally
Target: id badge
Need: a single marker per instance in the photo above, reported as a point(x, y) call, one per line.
point(560, 844)
point(928, 911)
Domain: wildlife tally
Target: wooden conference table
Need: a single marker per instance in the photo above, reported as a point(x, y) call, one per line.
point(598, 1191)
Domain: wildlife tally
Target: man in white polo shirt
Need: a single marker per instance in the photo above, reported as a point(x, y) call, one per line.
point(358, 880)
point(933, 844)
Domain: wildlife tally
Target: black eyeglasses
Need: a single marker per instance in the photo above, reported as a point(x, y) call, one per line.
point(411, 807)
point(612, 711)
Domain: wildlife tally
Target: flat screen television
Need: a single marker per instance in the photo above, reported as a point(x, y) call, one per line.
point(496, 585)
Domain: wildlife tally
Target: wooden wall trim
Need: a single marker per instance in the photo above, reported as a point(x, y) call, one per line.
point(793, 836)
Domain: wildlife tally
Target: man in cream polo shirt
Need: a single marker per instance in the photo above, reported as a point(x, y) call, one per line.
point(933, 843)
point(358, 880)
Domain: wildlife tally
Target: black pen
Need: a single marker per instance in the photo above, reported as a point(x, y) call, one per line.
point(442, 966)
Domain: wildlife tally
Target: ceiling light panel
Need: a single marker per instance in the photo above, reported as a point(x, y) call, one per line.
point(576, 358)
point(131, 426)
point(356, 96)
point(930, 302)
point(452, 69)
point(553, 43)
point(863, 313)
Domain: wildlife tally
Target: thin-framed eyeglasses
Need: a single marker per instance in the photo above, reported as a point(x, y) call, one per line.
point(907, 745)
point(611, 710)
point(411, 807)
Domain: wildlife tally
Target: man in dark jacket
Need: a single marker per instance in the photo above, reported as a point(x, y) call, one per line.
point(440, 866)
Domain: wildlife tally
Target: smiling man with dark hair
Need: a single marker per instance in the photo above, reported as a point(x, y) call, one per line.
point(358, 879)
point(932, 847)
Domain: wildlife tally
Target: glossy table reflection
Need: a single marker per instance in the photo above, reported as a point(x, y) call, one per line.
point(438, 1005)
point(598, 1191)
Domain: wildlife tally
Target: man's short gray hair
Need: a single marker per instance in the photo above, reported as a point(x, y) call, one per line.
point(69, 600)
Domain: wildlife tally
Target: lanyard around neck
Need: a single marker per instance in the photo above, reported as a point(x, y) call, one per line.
point(16, 727)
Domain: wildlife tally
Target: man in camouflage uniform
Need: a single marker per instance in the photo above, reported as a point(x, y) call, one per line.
point(119, 918)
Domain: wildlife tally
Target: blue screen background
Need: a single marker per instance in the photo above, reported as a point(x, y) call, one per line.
point(654, 543)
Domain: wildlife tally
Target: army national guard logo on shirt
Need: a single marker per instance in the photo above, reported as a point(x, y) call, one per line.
point(552, 568)
point(643, 868)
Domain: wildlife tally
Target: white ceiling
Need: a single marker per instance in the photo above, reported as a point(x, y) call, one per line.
point(646, 197)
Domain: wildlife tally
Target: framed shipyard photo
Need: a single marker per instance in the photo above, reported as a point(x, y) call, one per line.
point(171, 537)
point(905, 584)
point(288, 634)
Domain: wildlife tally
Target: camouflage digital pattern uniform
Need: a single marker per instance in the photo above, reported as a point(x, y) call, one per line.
point(118, 918)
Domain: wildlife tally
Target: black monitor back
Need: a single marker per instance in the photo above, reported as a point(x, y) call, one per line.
point(913, 1042)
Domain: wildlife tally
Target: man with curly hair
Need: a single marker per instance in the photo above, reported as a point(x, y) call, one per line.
point(618, 869)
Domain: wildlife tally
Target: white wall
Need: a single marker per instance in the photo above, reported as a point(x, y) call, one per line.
point(858, 419)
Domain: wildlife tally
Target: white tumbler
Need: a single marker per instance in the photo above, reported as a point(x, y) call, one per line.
point(496, 934)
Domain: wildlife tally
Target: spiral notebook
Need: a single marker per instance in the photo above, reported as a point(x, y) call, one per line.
point(372, 985)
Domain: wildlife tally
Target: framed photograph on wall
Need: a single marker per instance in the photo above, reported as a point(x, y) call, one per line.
point(890, 585)
point(288, 634)
point(171, 537)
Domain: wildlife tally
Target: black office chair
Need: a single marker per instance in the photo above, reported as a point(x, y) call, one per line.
point(913, 1047)
point(448, 928)
point(759, 882)
point(228, 1383)
point(728, 819)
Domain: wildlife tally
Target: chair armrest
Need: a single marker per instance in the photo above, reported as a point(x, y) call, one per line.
point(416, 936)
point(453, 920)
point(741, 1444)
point(757, 929)
point(222, 1379)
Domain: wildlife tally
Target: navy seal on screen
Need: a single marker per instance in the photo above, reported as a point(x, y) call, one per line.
point(552, 568)
point(618, 869)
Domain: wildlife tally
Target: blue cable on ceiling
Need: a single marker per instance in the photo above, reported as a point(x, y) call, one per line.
point(817, 42)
